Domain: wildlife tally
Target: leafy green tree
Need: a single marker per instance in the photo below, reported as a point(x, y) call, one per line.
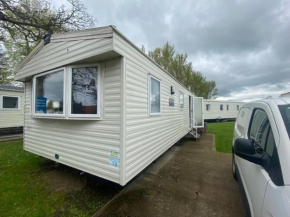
point(23, 23)
point(178, 66)
point(5, 74)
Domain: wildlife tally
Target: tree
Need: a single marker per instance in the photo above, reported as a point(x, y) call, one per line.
point(5, 74)
point(23, 23)
point(178, 66)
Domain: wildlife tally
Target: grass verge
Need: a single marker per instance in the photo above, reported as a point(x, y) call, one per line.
point(224, 132)
point(34, 186)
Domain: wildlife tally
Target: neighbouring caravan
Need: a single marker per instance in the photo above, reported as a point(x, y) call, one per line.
point(218, 110)
point(96, 102)
point(11, 109)
point(285, 94)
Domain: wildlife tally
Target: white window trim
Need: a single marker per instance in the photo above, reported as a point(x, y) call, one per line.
point(181, 93)
point(98, 115)
point(149, 95)
point(10, 109)
point(64, 94)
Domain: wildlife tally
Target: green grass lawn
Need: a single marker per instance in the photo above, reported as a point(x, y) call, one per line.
point(224, 132)
point(27, 187)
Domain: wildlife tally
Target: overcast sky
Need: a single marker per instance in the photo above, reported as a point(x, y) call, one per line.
point(242, 45)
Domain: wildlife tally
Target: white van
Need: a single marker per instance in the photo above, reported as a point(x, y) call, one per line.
point(261, 156)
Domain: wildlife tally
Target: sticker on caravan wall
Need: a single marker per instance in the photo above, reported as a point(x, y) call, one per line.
point(114, 157)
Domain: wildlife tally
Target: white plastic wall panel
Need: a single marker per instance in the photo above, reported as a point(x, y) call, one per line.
point(215, 112)
point(12, 118)
point(147, 137)
point(60, 53)
point(82, 144)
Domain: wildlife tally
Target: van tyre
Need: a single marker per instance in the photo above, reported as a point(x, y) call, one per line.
point(234, 171)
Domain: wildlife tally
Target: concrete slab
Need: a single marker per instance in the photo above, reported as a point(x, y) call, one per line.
point(190, 179)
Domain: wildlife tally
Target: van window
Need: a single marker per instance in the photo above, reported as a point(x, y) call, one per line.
point(263, 140)
point(259, 119)
point(285, 113)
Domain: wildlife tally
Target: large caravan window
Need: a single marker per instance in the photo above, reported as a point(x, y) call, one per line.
point(154, 96)
point(85, 91)
point(10, 102)
point(181, 100)
point(49, 93)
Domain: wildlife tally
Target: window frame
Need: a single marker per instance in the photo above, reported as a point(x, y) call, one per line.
point(181, 93)
point(43, 115)
point(252, 119)
point(69, 101)
point(10, 109)
point(208, 107)
point(149, 95)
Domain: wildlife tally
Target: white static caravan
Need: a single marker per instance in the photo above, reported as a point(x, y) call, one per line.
point(285, 94)
point(11, 109)
point(96, 102)
point(221, 110)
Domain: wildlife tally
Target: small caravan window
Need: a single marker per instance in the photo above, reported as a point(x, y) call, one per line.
point(10, 102)
point(238, 107)
point(181, 100)
point(85, 91)
point(154, 96)
point(49, 93)
point(221, 107)
point(227, 107)
point(207, 107)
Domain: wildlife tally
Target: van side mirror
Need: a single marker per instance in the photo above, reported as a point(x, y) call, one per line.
point(245, 149)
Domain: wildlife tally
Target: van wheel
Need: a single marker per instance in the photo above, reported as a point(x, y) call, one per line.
point(234, 171)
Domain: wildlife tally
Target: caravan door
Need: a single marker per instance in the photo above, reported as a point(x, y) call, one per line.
point(198, 112)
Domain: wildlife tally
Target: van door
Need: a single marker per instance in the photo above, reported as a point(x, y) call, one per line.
point(255, 177)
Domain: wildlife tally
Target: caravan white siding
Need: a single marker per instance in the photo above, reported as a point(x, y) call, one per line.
point(147, 137)
point(12, 118)
point(82, 144)
point(212, 109)
point(67, 48)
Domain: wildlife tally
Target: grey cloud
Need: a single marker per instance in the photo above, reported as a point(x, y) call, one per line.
point(239, 44)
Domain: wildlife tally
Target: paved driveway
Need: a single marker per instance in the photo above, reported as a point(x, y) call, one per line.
point(190, 179)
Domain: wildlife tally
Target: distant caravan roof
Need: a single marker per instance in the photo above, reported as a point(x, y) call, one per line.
point(8, 87)
point(222, 101)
